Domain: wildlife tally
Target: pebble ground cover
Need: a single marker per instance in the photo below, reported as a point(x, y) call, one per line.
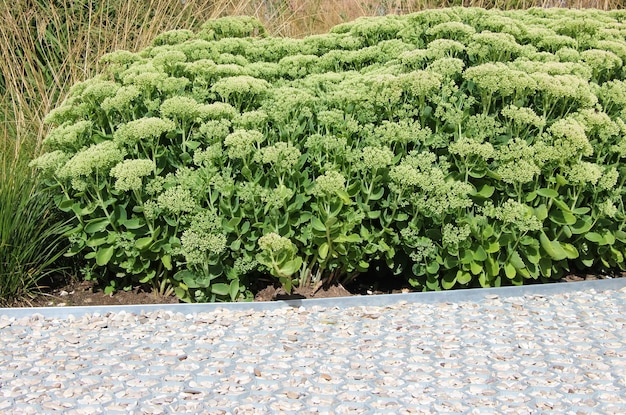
point(455, 148)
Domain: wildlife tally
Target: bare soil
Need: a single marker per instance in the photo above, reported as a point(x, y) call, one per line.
point(87, 293)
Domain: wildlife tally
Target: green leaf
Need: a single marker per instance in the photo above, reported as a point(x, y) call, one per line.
point(617, 255)
point(492, 267)
point(96, 225)
point(103, 255)
point(483, 280)
point(66, 205)
point(595, 237)
point(322, 251)
point(377, 195)
point(373, 214)
point(134, 223)
point(479, 254)
point(541, 212)
point(344, 196)
point(143, 243)
point(167, 262)
point(485, 191)
point(552, 248)
point(517, 261)
point(475, 268)
point(581, 226)
point(234, 289)
point(317, 224)
point(463, 277)
point(220, 289)
point(545, 192)
point(291, 267)
point(352, 238)
point(509, 270)
point(570, 250)
point(561, 217)
point(448, 280)
point(432, 268)
point(492, 247)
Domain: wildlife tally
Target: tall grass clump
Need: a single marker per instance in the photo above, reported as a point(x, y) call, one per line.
point(31, 230)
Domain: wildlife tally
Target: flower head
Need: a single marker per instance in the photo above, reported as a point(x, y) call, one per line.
point(241, 143)
point(129, 173)
point(94, 160)
point(150, 128)
point(329, 184)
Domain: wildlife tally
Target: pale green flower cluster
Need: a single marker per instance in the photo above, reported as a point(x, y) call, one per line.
point(609, 179)
point(49, 163)
point(329, 184)
point(240, 85)
point(173, 85)
point(498, 78)
point(177, 200)
point(583, 172)
point(274, 243)
point(598, 123)
point(568, 138)
point(69, 136)
point(208, 156)
point(426, 186)
point(514, 213)
point(601, 60)
point(129, 174)
point(172, 37)
point(250, 120)
point(168, 58)
point(453, 30)
point(122, 99)
point(203, 238)
point(219, 111)
point(250, 193)
point(328, 143)
point(180, 108)
point(487, 44)
point(278, 197)
point(448, 67)
point(144, 76)
point(375, 158)
point(453, 236)
point(223, 182)
point(282, 156)
point(155, 185)
point(420, 83)
point(197, 246)
point(518, 171)
point(608, 209)
point(444, 48)
point(242, 143)
point(92, 161)
point(466, 146)
point(150, 128)
point(422, 248)
point(215, 131)
point(244, 264)
point(96, 90)
point(523, 116)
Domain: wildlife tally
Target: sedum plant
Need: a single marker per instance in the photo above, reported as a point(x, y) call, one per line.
point(458, 147)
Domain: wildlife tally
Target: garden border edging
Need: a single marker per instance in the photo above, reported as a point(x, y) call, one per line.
point(476, 294)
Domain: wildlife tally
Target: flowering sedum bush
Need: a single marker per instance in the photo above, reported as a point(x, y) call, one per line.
point(460, 147)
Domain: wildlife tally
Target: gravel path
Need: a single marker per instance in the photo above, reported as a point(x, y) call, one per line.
point(511, 352)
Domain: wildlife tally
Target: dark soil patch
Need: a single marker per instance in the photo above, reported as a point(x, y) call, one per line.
point(87, 293)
